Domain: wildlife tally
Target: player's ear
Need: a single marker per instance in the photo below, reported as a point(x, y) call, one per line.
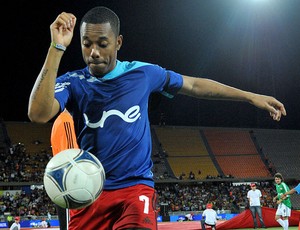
point(119, 42)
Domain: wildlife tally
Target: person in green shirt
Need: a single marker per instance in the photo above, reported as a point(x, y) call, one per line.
point(10, 220)
point(283, 211)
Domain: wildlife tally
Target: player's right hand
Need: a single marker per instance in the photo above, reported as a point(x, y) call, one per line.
point(279, 201)
point(62, 29)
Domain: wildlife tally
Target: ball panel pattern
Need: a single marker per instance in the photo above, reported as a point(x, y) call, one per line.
point(74, 178)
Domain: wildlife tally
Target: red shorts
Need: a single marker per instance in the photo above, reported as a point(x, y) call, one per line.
point(132, 207)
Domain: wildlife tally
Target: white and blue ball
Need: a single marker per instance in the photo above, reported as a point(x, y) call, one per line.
point(74, 178)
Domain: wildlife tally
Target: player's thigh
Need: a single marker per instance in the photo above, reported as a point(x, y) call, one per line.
point(139, 209)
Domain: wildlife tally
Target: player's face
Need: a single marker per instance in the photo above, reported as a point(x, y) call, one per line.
point(99, 47)
point(277, 180)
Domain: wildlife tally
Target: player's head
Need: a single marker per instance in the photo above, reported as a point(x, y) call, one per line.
point(101, 15)
point(100, 40)
point(17, 219)
point(278, 178)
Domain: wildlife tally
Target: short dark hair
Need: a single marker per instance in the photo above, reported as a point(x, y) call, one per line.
point(101, 14)
point(278, 175)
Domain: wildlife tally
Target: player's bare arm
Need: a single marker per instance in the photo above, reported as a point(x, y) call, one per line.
point(209, 89)
point(42, 104)
point(290, 192)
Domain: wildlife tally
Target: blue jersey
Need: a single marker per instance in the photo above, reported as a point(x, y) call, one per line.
point(297, 188)
point(111, 116)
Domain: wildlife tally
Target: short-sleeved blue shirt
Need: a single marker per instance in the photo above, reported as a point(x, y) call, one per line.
point(111, 116)
point(297, 188)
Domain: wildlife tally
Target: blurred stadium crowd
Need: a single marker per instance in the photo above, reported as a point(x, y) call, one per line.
point(22, 167)
point(181, 196)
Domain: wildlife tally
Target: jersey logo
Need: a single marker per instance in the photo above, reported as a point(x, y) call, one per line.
point(61, 86)
point(130, 116)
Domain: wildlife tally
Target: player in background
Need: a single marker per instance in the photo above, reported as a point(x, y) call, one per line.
point(108, 100)
point(63, 137)
point(254, 195)
point(283, 211)
point(63, 133)
point(209, 217)
point(16, 225)
point(295, 190)
point(189, 217)
point(44, 223)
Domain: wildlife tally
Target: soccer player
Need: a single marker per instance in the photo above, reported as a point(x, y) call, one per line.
point(283, 211)
point(254, 195)
point(44, 223)
point(108, 100)
point(291, 192)
point(189, 217)
point(63, 137)
point(63, 133)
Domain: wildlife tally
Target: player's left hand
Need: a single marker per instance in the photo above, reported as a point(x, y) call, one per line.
point(271, 104)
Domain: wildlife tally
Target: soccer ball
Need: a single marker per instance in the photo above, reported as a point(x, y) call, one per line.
point(74, 178)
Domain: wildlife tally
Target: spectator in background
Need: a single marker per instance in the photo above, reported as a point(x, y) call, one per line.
point(254, 195)
point(192, 175)
point(162, 121)
point(49, 215)
point(10, 220)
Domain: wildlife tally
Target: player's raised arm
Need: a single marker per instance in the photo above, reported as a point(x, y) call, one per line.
point(42, 104)
point(209, 89)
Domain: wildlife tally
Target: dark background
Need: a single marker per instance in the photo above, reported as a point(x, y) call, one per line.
point(249, 44)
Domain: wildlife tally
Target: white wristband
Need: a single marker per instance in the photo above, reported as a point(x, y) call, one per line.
point(58, 46)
